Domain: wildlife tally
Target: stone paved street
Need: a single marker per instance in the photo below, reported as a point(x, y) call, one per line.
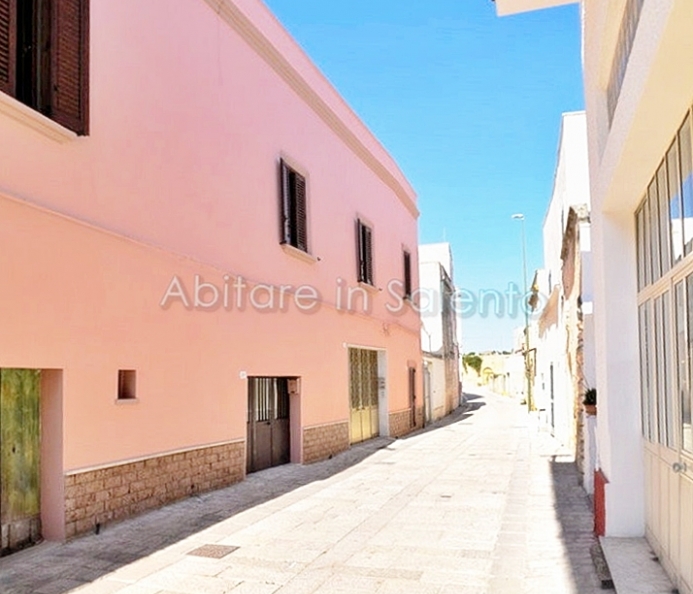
point(480, 504)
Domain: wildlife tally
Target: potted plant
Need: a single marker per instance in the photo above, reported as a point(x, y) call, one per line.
point(590, 401)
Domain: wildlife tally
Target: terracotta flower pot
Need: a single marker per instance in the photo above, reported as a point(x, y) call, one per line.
point(590, 409)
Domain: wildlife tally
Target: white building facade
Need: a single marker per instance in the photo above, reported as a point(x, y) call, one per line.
point(440, 330)
point(563, 287)
point(639, 92)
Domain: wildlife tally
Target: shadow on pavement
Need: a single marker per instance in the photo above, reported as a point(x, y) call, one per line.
point(471, 404)
point(60, 568)
point(573, 510)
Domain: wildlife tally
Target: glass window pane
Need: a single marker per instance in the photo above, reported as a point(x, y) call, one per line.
point(645, 372)
point(686, 165)
point(653, 201)
point(640, 247)
point(647, 261)
point(659, 399)
point(664, 401)
point(667, 379)
point(682, 368)
point(675, 209)
point(664, 239)
point(686, 395)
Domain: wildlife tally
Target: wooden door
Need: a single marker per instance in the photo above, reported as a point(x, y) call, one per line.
point(412, 395)
point(363, 392)
point(20, 502)
point(269, 439)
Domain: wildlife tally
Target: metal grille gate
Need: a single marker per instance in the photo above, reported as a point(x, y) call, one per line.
point(363, 387)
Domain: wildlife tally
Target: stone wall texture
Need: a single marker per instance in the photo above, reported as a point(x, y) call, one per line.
point(400, 422)
point(117, 492)
point(324, 441)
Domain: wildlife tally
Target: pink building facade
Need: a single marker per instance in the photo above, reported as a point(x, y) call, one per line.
point(204, 268)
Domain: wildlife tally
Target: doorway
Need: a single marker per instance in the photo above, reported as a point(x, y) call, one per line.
point(363, 392)
point(412, 395)
point(20, 459)
point(269, 433)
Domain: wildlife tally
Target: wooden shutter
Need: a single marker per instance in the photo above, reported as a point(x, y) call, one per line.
point(300, 230)
point(8, 45)
point(360, 256)
point(368, 249)
point(284, 203)
point(407, 274)
point(70, 64)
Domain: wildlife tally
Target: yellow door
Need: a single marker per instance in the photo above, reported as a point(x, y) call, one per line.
point(363, 392)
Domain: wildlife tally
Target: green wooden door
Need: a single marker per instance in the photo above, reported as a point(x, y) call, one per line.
point(20, 431)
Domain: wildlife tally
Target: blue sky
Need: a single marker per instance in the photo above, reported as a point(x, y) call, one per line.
point(469, 105)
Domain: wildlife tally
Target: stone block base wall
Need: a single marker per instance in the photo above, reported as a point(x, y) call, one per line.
point(400, 423)
point(419, 418)
point(116, 492)
point(323, 441)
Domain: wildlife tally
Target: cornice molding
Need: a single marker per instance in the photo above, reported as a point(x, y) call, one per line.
point(239, 22)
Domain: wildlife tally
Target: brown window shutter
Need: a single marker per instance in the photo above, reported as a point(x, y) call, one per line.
point(407, 274)
point(285, 203)
point(8, 45)
point(70, 64)
point(300, 224)
point(360, 255)
point(369, 254)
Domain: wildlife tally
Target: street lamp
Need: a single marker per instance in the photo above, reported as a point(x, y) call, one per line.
point(530, 404)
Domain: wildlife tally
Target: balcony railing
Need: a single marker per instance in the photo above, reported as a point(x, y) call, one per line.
point(626, 35)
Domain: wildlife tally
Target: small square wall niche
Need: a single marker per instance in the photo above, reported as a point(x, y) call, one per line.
point(127, 384)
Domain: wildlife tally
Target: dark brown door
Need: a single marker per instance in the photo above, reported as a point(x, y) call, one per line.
point(20, 503)
point(412, 394)
point(269, 439)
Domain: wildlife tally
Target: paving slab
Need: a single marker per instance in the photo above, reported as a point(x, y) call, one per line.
point(480, 502)
point(634, 568)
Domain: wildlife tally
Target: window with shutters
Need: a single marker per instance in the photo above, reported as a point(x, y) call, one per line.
point(364, 239)
point(407, 273)
point(44, 57)
point(294, 220)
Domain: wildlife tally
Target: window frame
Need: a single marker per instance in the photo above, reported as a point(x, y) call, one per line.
point(365, 267)
point(293, 207)
point(407, 276)
point(61, 63)
point(665, 296)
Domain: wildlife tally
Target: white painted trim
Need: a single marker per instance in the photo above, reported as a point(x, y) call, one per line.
point(31, 118)
point(300, 254)
point(370, 288)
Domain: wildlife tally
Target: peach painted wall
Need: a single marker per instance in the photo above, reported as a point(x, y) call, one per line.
point(179, 177)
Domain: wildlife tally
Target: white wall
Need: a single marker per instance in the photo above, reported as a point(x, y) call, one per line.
point(436, 368)
point(431, 314)
point(571, 188)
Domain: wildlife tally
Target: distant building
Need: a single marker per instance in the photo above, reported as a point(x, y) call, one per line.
point(504, 373)
point(564, 346)
point(440, 330)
